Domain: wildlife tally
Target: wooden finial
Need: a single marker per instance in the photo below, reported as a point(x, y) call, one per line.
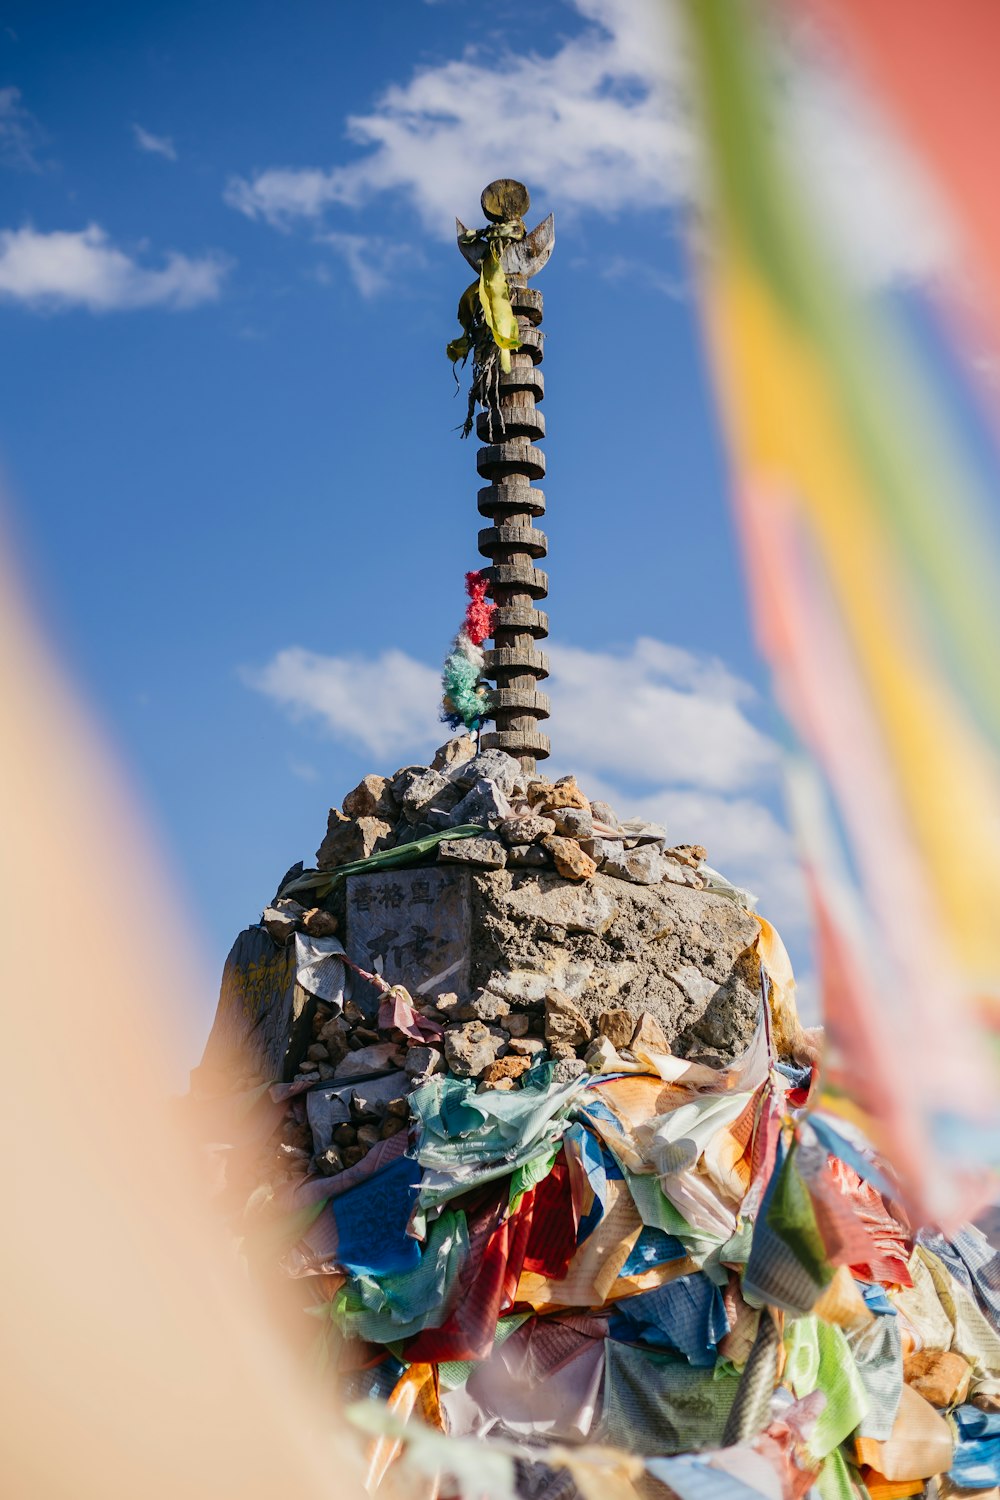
point(505, 200)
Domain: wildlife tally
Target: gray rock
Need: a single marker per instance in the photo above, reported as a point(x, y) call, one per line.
point(521, 986)
point(644, 832)
point(484, 803)
point(600, 849)
point(422, 792)
point(491, 765)
point(642, 941)
point(568, 1068)
point(528, 856)
point(604, 813)
point(421, 1062)
point(380, 1057)
point(283, 919)
point(576, 907)
point(485, 1007)
point(696, 985)
point(644, 865)
point(525, 830)
point(517, 1024)
point(471, 1048)
point(454, 752)
point(574, 822)
point(488, 854)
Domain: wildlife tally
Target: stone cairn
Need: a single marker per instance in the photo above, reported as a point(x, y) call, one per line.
point(509, 460)
point(587, 935)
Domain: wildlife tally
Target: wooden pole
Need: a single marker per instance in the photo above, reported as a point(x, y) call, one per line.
point(513, 543)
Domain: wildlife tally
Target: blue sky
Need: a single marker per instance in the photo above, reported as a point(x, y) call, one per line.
point(227, 276)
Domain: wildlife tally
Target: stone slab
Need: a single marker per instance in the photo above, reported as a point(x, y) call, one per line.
point(412, 926)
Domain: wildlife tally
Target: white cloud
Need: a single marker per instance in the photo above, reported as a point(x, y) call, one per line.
point(386, 706)
point(83, 268)
point(20, 133)
point(602, 123)
point(656, 713)
point(654, 730)
point(370, 260)
point(157, 145)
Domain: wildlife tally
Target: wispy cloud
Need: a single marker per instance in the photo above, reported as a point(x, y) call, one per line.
point(20, 133)
point(156, 145)
point(385, 705)
point(603, 123)
point(83, 268)
point(370, 259)
point(654, 729)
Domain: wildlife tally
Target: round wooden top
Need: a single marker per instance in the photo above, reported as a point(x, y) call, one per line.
point(505, 199)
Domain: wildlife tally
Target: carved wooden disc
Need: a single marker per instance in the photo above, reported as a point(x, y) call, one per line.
point(505, 199)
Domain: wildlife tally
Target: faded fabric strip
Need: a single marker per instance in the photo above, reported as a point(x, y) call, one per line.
point(654, 1247)
point(364, 1230)
point(774, 1274)
point(976, 1464)
point(396, 1307)
point(657, 1404)
point(694, 1478)
point(687, 1315)
point(973, 1262)
point(819, 1359)
point(878, 1355)
point(319, 968)
point(596, 1262)
point(482, 1289)
point(545, 1380)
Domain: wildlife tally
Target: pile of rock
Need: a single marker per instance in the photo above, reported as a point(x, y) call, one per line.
point(566, 1008)
point(530, 822)
point(370, 1069)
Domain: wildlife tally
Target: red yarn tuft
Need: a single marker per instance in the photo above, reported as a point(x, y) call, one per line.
point(479, 615)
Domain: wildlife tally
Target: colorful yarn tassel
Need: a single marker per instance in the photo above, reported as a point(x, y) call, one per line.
point(466, 700)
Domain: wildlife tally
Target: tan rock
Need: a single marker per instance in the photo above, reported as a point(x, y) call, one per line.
point(527, 1046)
point(319, 923)
point(503, 1085)
point(454, 753)
point(564, 1021)
point(941, 1376)
point(566, 794)
point(349, 839)
point(648, 1036)
point(371, 798)
point(570, 860)
point(688, 854)
point(506, 1067)
point(617, 1025)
